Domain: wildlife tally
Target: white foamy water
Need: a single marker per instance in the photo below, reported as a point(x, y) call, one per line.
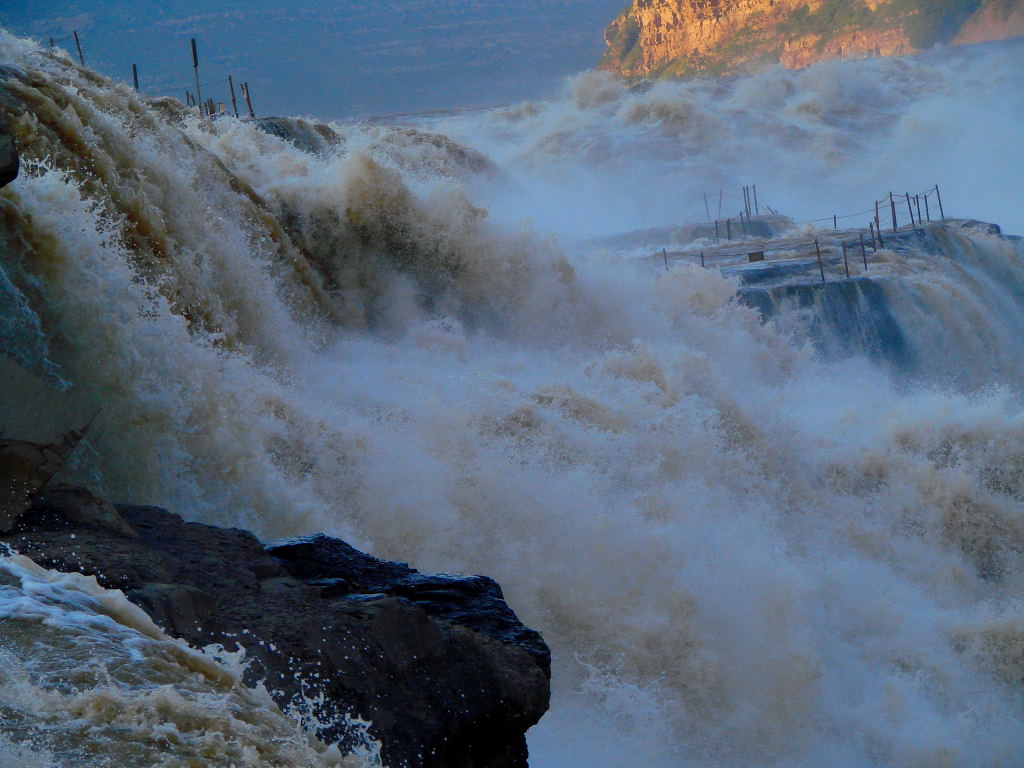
point(86, 678)
point(740, 554)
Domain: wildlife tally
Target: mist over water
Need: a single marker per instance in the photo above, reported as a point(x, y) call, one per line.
point(742, 551)
point(828, 139)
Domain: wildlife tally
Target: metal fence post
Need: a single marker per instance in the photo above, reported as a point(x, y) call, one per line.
point(195, 69)
point(248, 99)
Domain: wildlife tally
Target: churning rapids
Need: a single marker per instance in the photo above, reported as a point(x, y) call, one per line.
point(741, 550)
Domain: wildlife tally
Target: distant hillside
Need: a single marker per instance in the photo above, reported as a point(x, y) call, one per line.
point(676, 38)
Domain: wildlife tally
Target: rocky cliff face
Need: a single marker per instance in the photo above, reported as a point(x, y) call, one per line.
point(686, 37)
point(440, 665)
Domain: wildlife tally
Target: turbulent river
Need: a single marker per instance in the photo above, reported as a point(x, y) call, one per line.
point(742, 549)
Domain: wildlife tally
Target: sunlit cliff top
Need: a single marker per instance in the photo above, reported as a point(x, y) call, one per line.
point(673, 38)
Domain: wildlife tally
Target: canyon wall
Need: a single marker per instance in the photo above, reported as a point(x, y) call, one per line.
point(679, 38)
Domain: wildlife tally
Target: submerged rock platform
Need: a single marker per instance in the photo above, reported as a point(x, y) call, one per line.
point(442, 668)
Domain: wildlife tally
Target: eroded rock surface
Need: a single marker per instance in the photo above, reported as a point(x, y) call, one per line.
point(439, 664)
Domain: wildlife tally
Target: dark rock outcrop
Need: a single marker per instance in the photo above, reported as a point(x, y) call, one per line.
point(9, 160)
point(309, 136)
point(439, 664)
point(26, 468)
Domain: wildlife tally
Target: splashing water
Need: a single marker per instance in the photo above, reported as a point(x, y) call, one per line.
point(88, 678)
point(742, 551)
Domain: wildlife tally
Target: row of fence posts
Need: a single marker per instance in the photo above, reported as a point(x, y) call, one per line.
point(846, 255)
point(78, 45)
point(207, 108)
point(874, 225)
point(213, 109)
point(916, 215)
point(747, 193)
point(744, 227)
point(759, 255)
point(910, 208)
point(913, 203)
point(751, 208)
point(875, 228)
point(664, 255)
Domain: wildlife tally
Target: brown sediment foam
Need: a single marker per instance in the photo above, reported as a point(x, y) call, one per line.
point(49, 128)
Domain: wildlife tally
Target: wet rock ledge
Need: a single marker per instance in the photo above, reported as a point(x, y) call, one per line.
point(439, 664)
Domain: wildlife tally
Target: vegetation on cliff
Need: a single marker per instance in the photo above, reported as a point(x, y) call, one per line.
point(678, 38)
point(925, 22)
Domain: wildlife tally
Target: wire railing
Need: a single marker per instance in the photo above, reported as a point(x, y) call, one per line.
point(891, 211)
point(895, 210)
point(845, 250)
point(913, 211)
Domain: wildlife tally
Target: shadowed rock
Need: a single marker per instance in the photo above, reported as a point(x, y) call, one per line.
point(309, 136)
point(440, 665)
point(82, 506)
point(26, 468)
point(9, 161)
